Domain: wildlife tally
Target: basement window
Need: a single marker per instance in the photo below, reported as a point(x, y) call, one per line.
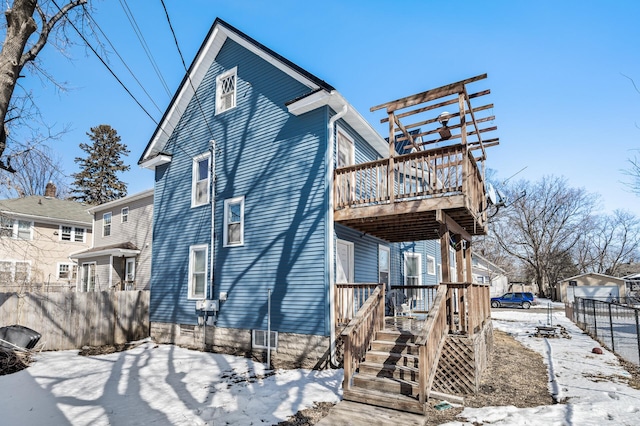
point(259, 339)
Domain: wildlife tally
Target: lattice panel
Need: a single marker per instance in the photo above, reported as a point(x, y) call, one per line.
point(457, 368)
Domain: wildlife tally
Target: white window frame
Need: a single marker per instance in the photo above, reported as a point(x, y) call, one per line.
point(192, 295)
point(343, 139)
point(195, 179)
point(12, 226)
point(81, 276)
point(387, 250)
point(227, 203)
point(259, 341)
point(219, 84)
point(453, 265)
point(13, 266)
point(73, 235)
point(124, 215)
point(431, 265)
point(73, 271)
point(419, 263)
point(104, 223)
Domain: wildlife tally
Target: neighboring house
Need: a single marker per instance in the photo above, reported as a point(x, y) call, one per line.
point(37, 235)
point(592, 286)
point(244, 161)
point(120, 258)
point(487, 272)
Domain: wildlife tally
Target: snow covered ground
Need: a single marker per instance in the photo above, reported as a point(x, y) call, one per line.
point(169, 385)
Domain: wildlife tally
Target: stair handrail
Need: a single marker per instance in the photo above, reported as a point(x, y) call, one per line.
point(430, 342)
point(358, 334)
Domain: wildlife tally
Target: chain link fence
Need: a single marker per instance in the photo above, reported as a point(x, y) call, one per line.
point(616, 326)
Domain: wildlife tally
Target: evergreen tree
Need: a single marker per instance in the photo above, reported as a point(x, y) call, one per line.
point(97, 183)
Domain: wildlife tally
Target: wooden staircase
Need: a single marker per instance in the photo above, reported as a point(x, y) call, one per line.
point(389, 375)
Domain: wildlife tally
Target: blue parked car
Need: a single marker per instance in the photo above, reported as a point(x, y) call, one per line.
point(514, 299)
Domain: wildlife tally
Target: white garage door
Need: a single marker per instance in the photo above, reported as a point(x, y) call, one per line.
point(604, 292)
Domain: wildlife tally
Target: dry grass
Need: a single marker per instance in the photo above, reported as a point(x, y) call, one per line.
point(13, 361)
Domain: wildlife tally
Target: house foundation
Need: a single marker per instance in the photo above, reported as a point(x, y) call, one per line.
point(293, 350)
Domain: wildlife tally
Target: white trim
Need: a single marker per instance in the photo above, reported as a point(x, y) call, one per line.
point(156, 161)
point(123, 215)
point(433, 262)
point(418, 256)
point(194, 179)
point(72, 235)
point(225, 235)
point(386, 249)
point(357, 122)
point(120, 201)
point(110, 223)
point(15, 228)
point(350, 259)
point(341, 131)
point(190, 286)
point(256, 345)
point(13, 268)
point(117, 252)
point(110, 272)
point(232, 72)
point(198, 70)
point(81, 277)
point(71, 265)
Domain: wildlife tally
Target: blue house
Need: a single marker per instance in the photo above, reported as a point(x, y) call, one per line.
point(251, 215)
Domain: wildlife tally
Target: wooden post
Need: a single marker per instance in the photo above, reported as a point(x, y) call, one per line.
point(346, 385)
point(459, 260)
point(444, 253)
point(467, 255)
point(390, 168)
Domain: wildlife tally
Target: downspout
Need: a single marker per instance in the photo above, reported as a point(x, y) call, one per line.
point(213, 214)
point(330, 155)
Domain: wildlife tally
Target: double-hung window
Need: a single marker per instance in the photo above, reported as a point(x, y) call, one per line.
point(124, 215)
point(71, 233)
point(200, 180)
point(106, 224)
point(17, 229)
point(234, 222)
point(431, 265)
point(67, 271)
point(198, 255)
point(226, 89)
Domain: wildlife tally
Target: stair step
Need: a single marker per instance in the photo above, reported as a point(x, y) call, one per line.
point(395, 336)
point(387, 385)
point(382, 399)
point(395, 347)
point(383, 357)
point(389, 370)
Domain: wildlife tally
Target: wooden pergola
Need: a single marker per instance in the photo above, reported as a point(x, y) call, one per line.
point(434, 174)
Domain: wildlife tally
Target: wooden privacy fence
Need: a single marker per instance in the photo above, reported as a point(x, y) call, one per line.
point(72, 320)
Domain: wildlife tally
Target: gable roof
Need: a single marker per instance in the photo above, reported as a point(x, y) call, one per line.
point(46, 209)
point(221, 31)
point(594, 274)
point(122, 201)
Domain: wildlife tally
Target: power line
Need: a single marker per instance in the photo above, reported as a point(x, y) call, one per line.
point(107, 66)
point(195, 95)
point(121, 59)
point(143, 43)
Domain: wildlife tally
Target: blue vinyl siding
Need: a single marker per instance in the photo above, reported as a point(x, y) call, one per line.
point(365, 253)
point(277, 162)
point(426, 247)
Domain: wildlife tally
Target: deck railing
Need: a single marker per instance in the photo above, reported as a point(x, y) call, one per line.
point(430, 342)
point(468, 307)
point(421, 174)
point(349, 299)
point(419, 298)
point(357, 336)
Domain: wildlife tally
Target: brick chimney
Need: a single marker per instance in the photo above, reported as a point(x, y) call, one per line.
point(50, 190)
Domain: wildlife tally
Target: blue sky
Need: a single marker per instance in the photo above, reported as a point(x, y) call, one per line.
point(562, 105)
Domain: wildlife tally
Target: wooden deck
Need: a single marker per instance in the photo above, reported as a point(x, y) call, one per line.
point(433, 175)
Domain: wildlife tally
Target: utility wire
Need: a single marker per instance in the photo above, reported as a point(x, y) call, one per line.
point(107, 66)
point(143, 43)
point(195, 95)
point(121, 59)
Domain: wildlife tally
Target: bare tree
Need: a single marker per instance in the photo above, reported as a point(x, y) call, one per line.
point(36, 167)
point(542, 225)
point(608, 241)
point(29, 25)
